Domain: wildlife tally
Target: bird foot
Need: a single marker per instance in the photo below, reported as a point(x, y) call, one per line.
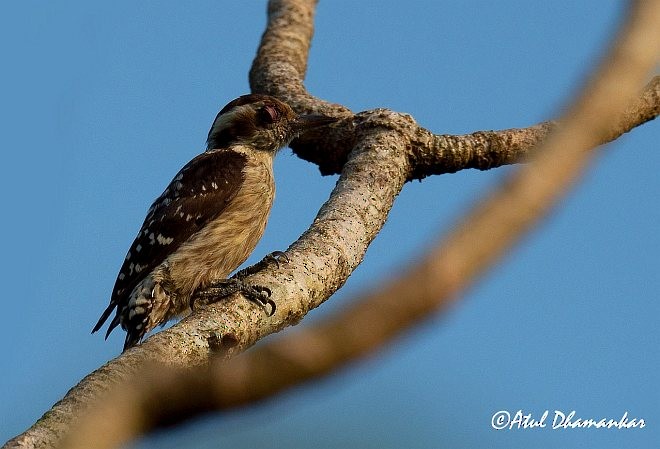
point(275, 257)
point(258, 294)
point(221, 289)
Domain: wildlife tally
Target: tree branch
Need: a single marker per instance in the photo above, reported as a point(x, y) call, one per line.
point(279, 70)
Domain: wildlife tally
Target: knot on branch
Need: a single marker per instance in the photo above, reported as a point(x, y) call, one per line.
point(403, 124)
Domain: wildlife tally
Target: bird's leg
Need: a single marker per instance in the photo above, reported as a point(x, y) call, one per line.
point(275, 257)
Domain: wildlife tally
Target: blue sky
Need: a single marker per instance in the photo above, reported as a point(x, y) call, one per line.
point(103, 102)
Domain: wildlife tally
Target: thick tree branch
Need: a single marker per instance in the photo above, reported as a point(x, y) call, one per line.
point(279, 70)
point(322, 259)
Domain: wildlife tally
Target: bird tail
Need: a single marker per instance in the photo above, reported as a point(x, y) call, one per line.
point(104, 317)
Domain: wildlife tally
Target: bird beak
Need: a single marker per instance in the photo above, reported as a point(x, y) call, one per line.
point(306, 122)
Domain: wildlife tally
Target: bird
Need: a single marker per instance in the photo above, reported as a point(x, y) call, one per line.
point(208, 220)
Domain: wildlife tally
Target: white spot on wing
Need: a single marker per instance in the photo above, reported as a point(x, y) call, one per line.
point(164, 240)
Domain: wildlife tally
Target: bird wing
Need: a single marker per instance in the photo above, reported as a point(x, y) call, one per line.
point(198, 193)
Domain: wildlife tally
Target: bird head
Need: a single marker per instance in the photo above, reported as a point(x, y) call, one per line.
point(260, 121)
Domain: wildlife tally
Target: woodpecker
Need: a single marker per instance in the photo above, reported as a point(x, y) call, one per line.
point(208, 220)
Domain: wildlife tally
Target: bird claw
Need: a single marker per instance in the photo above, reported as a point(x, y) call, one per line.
point(258, 294)
point(275, 257)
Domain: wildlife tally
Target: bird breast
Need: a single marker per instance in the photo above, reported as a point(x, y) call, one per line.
point(227, 241)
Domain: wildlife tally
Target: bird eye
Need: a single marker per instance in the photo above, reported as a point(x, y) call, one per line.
point(269, 114)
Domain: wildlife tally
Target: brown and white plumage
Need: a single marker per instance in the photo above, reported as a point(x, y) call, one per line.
point(209, 218)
